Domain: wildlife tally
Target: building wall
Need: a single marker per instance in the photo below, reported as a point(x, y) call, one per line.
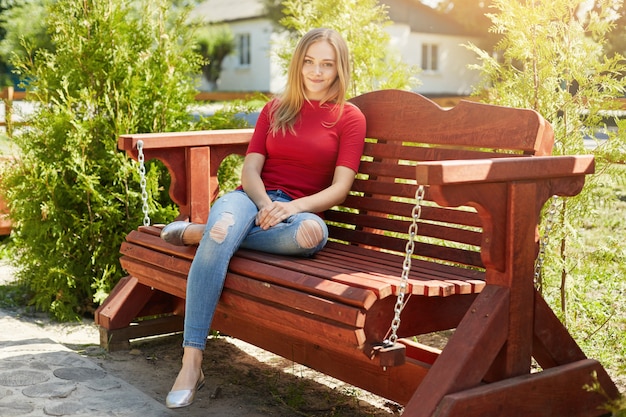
point(259, 75)
point(266, 74)
point(452, 76)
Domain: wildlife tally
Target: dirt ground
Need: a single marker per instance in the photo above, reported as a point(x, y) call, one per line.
point(241, 380)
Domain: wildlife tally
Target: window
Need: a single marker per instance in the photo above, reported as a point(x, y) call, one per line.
point(243, 49)
point(430, 57)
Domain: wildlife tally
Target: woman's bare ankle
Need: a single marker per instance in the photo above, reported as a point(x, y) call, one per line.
point(190, 370)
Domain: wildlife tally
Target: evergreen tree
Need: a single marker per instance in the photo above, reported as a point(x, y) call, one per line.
point(73, 196)
point(551, 58)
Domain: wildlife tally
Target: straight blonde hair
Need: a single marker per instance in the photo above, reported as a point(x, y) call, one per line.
point(287, 107)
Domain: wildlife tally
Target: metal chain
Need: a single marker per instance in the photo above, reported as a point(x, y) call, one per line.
point(406, 267)
point(143, 183)
point(543, 243)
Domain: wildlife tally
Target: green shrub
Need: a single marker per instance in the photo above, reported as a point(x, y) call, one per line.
point(72, 195)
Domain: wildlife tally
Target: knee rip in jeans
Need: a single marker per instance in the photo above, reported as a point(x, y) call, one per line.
point(220, 228)
point(309, 234)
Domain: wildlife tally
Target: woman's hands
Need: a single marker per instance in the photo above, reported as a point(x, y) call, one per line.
point(274, 213)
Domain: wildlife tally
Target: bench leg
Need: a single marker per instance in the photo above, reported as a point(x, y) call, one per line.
point(455, 385)
point(469, 353)
point(130, 300)
point(554, 392)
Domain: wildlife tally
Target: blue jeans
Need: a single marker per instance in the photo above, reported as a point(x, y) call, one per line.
point(237, 212)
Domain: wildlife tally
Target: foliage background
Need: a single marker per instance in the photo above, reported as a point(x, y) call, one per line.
point(553, 58)
point(114, 69)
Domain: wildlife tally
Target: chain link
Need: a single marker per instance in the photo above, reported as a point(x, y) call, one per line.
point(406, 267)
point(543, 243)
point(143, 183)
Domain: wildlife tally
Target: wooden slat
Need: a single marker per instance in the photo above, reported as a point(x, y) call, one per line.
point(263, 292)
point(386, 206)
point(425, 250)
point(154, 242)
point(394, 261)
point(425, 152)
point(553, 392)
point(159, 278)
point(314, 285)
point(153, 267)
point(419, 284)
point(404, 116)
point(345, 276)
point(444, 232)
point(306, 327)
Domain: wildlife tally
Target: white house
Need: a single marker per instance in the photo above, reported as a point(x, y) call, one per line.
point(424, 37)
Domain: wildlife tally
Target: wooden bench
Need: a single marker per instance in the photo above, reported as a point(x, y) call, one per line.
point(472, 270)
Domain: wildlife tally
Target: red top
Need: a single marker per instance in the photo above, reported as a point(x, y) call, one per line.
point(303, 163)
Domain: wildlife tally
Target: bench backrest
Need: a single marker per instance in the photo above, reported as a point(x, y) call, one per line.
point(404, 128)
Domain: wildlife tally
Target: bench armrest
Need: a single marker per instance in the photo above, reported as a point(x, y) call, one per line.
point(184, 153)
point(508, 194)
point(521, 168)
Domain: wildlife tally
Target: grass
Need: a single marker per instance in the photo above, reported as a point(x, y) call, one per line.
point(595, 287)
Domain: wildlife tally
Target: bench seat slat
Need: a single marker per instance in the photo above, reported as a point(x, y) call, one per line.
point(395, 261)
point(168, 280)
point(145, 237)
point(306, 326)
point(420, 283)
point(153, 276)
point(315, 284)
point(296, 300)
point(276, 273)
point(420, 270)
point(348, 277)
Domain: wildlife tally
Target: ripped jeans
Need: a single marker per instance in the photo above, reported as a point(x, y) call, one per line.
point(229, 227)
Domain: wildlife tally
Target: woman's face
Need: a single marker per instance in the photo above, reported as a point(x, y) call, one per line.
point(319, 70)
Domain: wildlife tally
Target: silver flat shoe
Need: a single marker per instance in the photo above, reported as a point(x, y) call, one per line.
point(173, 232)
point(184, 397)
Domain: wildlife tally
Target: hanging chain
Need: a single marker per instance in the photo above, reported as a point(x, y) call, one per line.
point(143, 183)
point(543, 243)
point(406, 267)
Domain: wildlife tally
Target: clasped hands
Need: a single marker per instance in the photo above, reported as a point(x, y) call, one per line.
point(274, 213)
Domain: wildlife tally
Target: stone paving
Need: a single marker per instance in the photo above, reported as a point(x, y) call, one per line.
point(40, 377)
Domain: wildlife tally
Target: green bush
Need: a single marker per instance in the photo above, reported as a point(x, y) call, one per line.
point(72, 195)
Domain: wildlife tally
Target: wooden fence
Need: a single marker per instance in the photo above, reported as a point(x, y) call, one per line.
point(8, 95)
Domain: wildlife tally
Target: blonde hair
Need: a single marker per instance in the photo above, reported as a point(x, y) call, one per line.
point(288, 105)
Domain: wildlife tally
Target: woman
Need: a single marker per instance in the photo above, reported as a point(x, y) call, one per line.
point(301, 160)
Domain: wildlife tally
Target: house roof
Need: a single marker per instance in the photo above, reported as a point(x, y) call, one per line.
point(421, 18)
point(224, 11)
